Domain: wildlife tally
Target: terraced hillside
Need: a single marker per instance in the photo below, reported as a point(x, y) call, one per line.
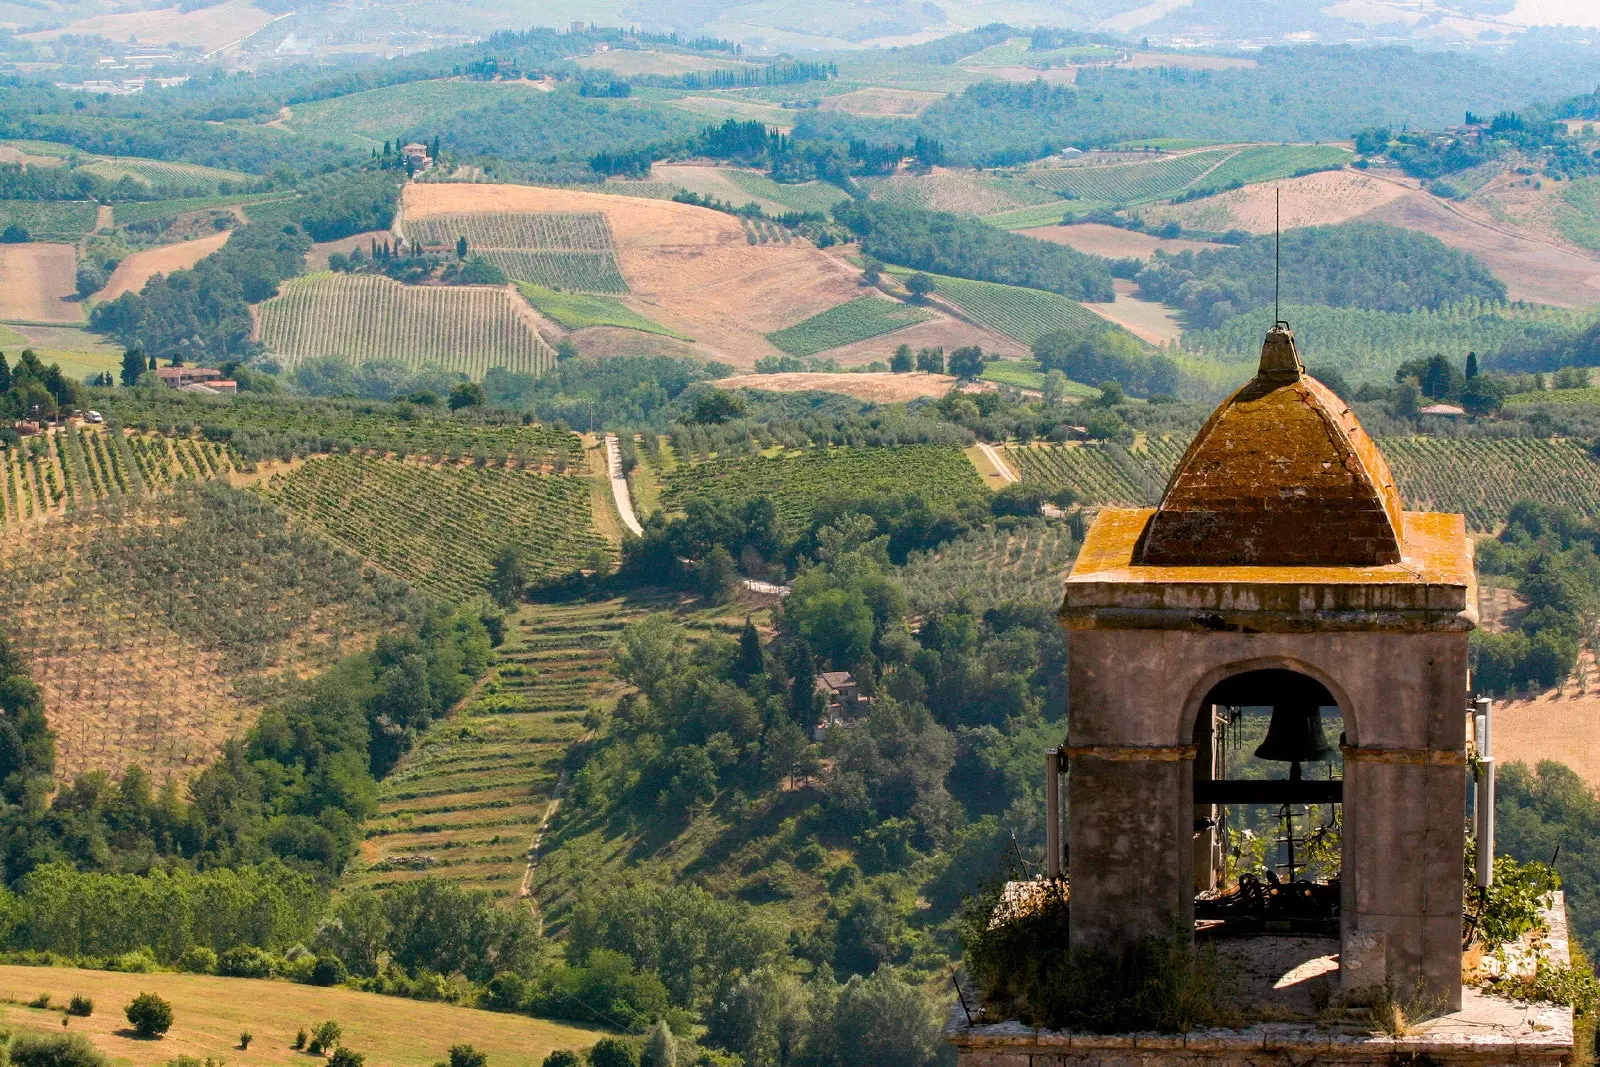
point(469, 801)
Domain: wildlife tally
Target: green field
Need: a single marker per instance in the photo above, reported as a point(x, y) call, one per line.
point(963, 192)
point(51, 220)
point(191, 178)
point(1025, 374)
point(440, 526)
point(858, 320)
point(808, 196)
point(1126, 183)
point(362, 317)
point(796, 481)
point(1016, 52)
point(1589, 395)
point(1577, 213)
point(575, 311)
point(1051, 214)
point(145, 210)
point(1025, 314)
point(365, 120)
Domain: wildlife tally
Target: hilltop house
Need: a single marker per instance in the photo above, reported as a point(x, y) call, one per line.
point(416, 154)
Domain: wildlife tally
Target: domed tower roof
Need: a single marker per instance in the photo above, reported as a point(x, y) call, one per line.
point(1282, 474)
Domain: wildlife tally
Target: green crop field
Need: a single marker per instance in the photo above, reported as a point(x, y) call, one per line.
point(796, 481)
point(1025, 374)
point(1577, 213)
point(51, 220)
point(1127, 183)
point(1265, 163)
point(1051, 214)
point(1022, 313)
point(962, 192)
point(191, 178)
point(555, 250)
point(857, 320)
point(440, 526)
point(263, 426)
point(808, 196)
point(576, 311)
point(365, 120)
point(364, 316)
point(145, 210)
point(1589, 395)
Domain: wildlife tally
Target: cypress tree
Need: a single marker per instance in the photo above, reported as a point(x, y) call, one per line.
point(1472, 365)
point(5, 374)
point(752, 661)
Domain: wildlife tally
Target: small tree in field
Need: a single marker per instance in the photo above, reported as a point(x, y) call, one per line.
point(149, 1015)
point(461, 247)
point(919, 285)
point(562, 1057)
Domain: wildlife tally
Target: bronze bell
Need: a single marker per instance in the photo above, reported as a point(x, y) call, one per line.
point(1295, 736)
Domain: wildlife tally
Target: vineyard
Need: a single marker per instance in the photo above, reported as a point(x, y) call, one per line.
point(465, 328)
point(260, 426)
point(440, 526)
point(1588, 395)
point(466, 803)
point(146, 210)
point(73, 469)
point(764, 231)
point(962, 192)
point(807, 196)
point(191, 178)
point(990, 566)
point(1478, 477)
point(556, 250)
point(857, 320)
point(576, 311)
point(51, 220)
point(1359, 341)
point(1265, 163)
point(796, 481)
point(1026, 314)
point(1027, 218)
point(159, 628)
point(1127, 183)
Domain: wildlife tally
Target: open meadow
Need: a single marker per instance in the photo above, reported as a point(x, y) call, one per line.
point(37, 284)
point(210, 1013)
point(139, 267)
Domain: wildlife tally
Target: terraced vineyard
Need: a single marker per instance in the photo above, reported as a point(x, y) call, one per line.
point(260, 425)
point(1127, 183)
point(72, 469)
point(1026, 314)
point(556, 250)
point(51, 220)
point(857, 320)
point(160, 629)
point(440, 526)
point(993, 566)
point(468, 802)
point(466, 328)
point(796, 481)
point(1478, 477)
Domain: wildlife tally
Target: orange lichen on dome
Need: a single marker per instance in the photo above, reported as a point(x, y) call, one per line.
point(1281, 474)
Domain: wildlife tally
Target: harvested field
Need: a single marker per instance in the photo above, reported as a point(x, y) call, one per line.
point(628, 62)
point(211, 1012)
point(874, 388)
point(1111, 241)
point(942, 332)
point(1322, 199)
point(713, 181)
point(206, 28)
point(894, 103)
point(689, 268)
point(317, 258)
point(1561, 727)
point(140, 267)
point(78, 352)
point(1145, 319)
point(38, 283)
point(598, 342)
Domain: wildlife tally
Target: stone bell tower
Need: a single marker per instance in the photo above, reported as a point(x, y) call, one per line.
point(1280, 571)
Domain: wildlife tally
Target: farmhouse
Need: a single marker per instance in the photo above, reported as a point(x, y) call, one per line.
point(178, 377)
point(416, 154)
point(842, 701)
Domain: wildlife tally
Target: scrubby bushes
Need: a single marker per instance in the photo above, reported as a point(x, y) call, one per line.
point(150, 1015)
point(53, 1050)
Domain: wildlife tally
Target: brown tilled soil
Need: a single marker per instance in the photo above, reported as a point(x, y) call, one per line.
point(140, 267)
point(1111, 241)
point(38, 283)
point(1145, 319)
point(874, 387)
point(891, 102)
point(690, 268)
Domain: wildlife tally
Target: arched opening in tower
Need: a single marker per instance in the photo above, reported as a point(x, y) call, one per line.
point(1268, 790)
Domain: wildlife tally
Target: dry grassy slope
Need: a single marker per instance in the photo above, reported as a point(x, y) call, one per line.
point(140, 267)
point(38, 283)
point(690, 268)
point(210, 1013)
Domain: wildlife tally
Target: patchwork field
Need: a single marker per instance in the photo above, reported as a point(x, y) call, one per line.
point(74, 349)
point(191, 178)
point(863, 318)
point(440, 525)
point(741, 187)
point(964, 192)
point(580, 311)
point(469, 802)
point(1150, 322)
point(691, 269)
point(140, 267)
point(51, 220)
point(38, 283)
point(875, 388)
point(1017, 312)
point(211, 1012)
point(466, 328)
point(145, 659)
point(206, 28)
point(881, 103)
point(366, 119)
point(1197, 172)
point(1113, 242)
